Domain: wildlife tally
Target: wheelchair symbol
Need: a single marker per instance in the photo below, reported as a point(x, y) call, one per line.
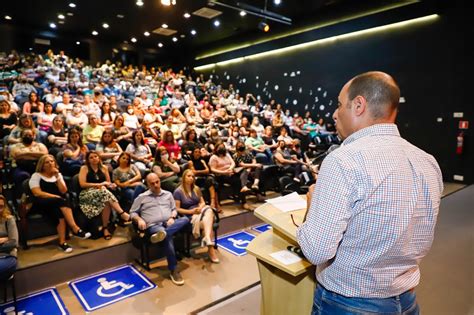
point(109, 285)
point(11, 310)
point(242, 244)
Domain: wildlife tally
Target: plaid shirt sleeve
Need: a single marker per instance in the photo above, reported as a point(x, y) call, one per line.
point(329, 212)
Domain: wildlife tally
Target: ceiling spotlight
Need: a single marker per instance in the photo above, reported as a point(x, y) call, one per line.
point(61, 16)
point(217, 23)
point(105, 25)
point(139, 3)
point(95, 33)
point(120, 16)
point(243, 13)
point(168, 2)
point(78, 43)
point(264, 26)
point(164, 25)
point(277, 2)
point(175, 39)
point(193, 32)
point(61, 22)
point(187, 15)
point(146, 34)
point(182, 36)
point(160, 45)
point(133, 39)
point(7, 17)
point(70, 14)
point(52, 25)
point(72, 5)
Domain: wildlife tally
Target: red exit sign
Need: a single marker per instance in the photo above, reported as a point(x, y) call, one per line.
point(464, 124)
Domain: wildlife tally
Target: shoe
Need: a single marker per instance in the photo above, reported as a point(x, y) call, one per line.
point(123, 222)
point(65, 247)
point(260, 198)
point(158, 237)
point(206, 242)
point(255, 186)
point(215, 260)
point(245, 189)
point(108, 236)
point(176, 277)
point(245, 206)
point(296, 179)
point(81, 234)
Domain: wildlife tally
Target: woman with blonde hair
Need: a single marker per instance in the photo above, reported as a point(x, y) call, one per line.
point(8, 240)
point(49, 191)
point(189, 202)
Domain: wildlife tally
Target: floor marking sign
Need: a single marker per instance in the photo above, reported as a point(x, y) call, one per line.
point(262, 228)
point(110, 286)
point(45, 302)
point(235, 243)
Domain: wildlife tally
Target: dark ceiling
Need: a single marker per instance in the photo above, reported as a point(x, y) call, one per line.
point(89, 15)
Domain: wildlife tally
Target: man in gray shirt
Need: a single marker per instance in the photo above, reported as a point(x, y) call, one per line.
point(155, 212)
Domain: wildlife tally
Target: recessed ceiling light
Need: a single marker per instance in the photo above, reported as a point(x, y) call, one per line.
point(120, 16)
point(95, 33)
point(125, 41)
point(7, 17)
point(52, 25)
point(146, 33)
point(277, 2)
point(243, 13)
point(175, 39)
point(78, 43)
point(217, 23)
point(187, 15)
point(182, 36)
point(72, 5)
point(105, 25)
point(31, 48)
point(61, 16)
point(164, 25)
point(139, 3)
point(70, 14)
point(61, 22)
point(160, 45)
point(133, 39)
point(193, 32)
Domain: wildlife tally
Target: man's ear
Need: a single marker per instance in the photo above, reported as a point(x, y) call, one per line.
point(359, 105)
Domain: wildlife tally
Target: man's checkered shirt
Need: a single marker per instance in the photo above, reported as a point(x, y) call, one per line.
point(372, 214)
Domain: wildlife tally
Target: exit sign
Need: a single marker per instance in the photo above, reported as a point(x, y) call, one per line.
point(463, 124)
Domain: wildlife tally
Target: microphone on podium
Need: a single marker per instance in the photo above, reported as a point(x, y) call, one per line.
point(297, 250)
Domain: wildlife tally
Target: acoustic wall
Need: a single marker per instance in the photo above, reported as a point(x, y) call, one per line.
point(427, 58)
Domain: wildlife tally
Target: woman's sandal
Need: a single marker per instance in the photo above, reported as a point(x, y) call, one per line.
point(122, 221)
point(108, 236)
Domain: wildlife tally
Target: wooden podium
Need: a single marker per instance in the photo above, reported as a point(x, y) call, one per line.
point(286, 289)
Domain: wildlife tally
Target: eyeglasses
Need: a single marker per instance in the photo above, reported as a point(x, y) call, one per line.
point(293, 220)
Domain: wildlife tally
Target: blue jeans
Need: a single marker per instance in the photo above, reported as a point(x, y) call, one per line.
point(168, 245)
point(7, 266)
point(330, 303)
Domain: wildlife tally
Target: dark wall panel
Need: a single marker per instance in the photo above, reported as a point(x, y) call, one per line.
point(428, 61)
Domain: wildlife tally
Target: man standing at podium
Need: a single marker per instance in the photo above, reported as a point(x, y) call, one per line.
point(374, 207)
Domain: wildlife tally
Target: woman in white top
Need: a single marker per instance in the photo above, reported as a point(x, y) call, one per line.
point(130, 119)
point(45, 119)
point(48, 188)
point(139, 151)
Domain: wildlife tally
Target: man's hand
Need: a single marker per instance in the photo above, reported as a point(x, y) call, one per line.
point(170, 222)
point(141, 224)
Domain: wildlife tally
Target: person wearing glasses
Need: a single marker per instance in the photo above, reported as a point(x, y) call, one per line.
point(374, 207)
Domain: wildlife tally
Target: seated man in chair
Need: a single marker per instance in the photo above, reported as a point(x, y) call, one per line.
point(155, 212)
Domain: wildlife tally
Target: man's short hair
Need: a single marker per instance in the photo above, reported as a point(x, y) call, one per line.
point(379, 89)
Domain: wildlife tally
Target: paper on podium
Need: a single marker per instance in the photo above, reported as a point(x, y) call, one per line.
point(286, 257)
point(288, 203)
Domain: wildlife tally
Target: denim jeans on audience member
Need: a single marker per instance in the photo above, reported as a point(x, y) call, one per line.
point(7, 266)
point(168, 245)
point(330, 303)
point(137, 191)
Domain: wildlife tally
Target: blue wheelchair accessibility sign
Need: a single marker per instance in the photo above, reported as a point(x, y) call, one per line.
point(235, 243)
point(45, 302)
point(111, 286)
point(262, 228)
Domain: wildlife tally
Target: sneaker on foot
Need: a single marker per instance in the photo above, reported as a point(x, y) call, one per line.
point(176, 277)
point(81, 234)
point(158, 236)
point(65, 247)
